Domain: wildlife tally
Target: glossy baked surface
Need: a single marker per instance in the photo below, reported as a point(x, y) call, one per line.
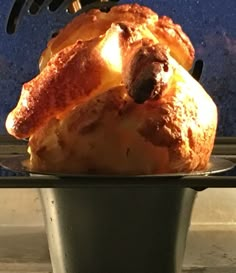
point(209, 24)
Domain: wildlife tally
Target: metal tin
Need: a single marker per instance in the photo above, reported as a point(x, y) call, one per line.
point(117, 229)
point(15, 163)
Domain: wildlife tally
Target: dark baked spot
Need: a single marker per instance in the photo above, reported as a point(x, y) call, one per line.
point(142, 90)
point(126, 30)
point(127, 152)
point(89, 128)
point(40, 152)
point(190, 138)
point(146, 78)
point(159, 134)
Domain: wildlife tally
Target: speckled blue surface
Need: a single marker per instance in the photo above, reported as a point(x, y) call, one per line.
point(211, 25)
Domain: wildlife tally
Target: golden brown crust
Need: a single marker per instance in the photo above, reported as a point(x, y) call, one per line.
point(94, 23)
point(72, 76)
point(54, 90)
point(77, 53)
point(79, 72)
point(172, 34)
point(111, 134)
point(79, 115)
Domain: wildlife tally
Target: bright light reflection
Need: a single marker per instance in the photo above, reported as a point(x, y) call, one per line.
point(111, 51)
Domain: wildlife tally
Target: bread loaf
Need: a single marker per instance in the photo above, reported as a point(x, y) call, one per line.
point(114, 97)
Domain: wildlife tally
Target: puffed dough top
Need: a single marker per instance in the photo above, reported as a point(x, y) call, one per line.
point(114, 97)
point(93, 23)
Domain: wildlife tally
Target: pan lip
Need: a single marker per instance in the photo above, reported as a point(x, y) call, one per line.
point(13, 163)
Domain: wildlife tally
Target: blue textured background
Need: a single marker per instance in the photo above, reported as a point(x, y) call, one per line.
point(211, 25)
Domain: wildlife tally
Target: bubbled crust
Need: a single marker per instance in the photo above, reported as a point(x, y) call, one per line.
point(94, 23)
point(92, 125)
point(54, 90)
point(73, 75)
point(173, 36)
point(78, 69)
point(111, 134)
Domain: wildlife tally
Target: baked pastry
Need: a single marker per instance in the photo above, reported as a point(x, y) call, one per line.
point(114, 97)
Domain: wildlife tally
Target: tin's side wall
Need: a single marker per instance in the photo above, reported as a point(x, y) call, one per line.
point(213, 207)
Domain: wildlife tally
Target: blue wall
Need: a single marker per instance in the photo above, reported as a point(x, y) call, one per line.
point(211, 25)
